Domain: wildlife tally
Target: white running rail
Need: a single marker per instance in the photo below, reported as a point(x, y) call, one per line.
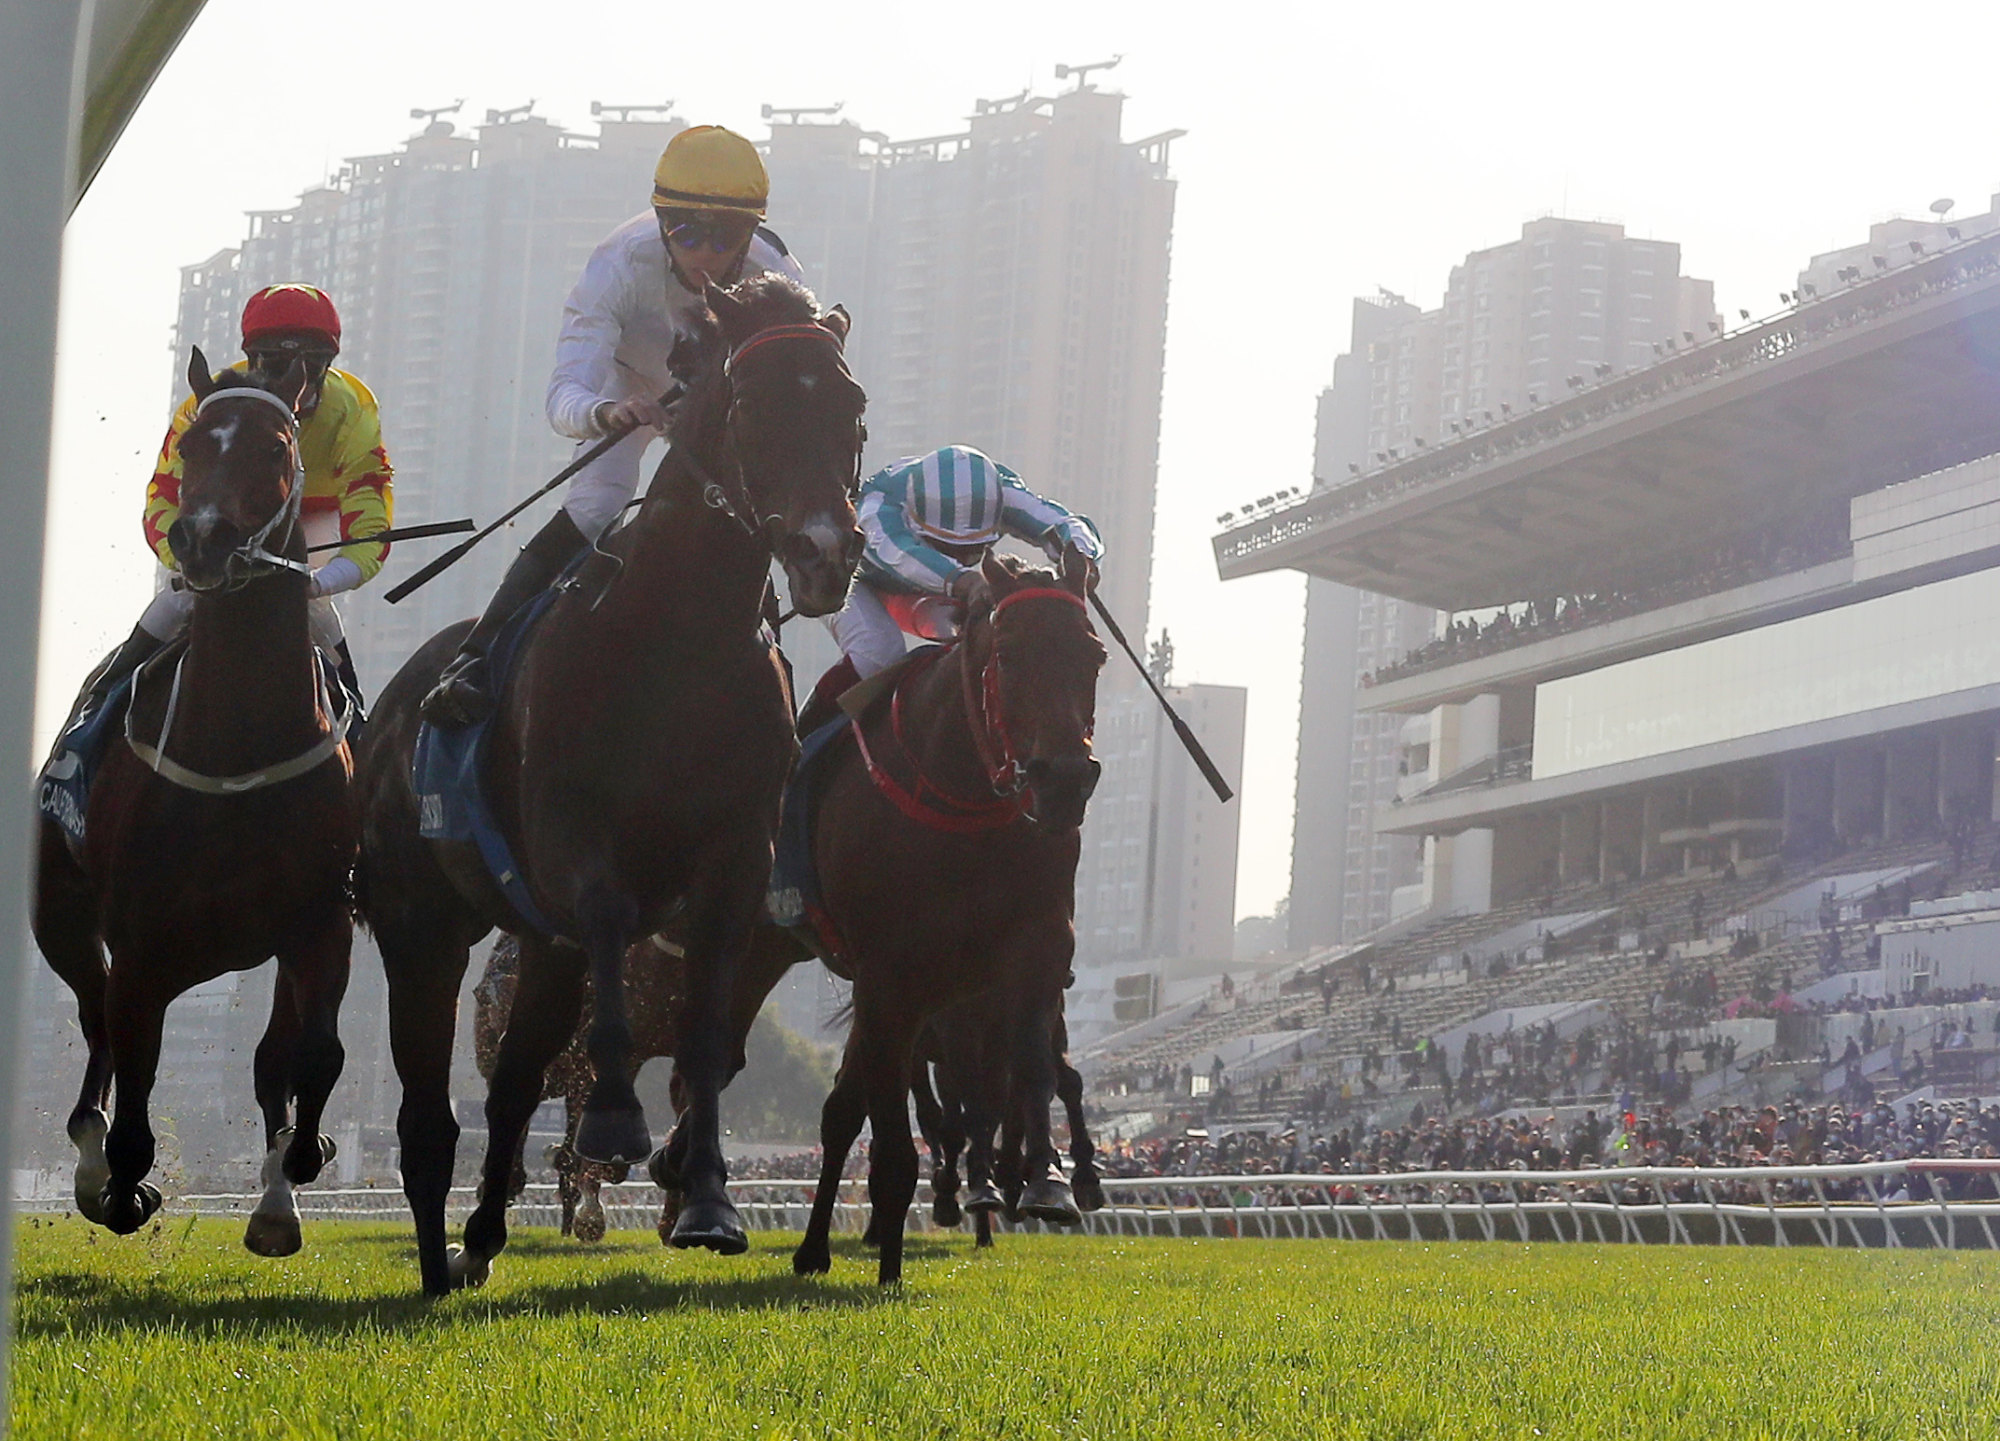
point(1913, 1203)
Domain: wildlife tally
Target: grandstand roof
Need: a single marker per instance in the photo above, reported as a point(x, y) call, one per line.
point(1889, 378)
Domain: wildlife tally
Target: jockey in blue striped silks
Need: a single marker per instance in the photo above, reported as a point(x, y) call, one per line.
point(929, 520)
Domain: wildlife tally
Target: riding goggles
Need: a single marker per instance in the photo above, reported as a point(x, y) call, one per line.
point(720, 236)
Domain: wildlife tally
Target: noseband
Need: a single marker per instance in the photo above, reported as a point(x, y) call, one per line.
point(253, 557)
point(735, 501)
point(990, 736)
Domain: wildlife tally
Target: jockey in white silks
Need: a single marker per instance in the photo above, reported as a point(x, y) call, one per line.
point(632, 332)
point(929, 520)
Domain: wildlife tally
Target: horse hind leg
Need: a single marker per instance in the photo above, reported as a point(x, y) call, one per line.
point(423, 975)
point(840, 1121)
point(1085, 1184)
point(273, 1227)
point(544, 1018)
point(316, 981)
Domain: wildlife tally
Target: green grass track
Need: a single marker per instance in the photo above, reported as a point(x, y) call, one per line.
point(179, 1332)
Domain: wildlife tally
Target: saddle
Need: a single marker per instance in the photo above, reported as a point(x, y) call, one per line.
point(792, 899)
point(62, 790)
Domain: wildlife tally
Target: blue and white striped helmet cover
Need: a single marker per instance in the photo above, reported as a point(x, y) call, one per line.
point(955, 496)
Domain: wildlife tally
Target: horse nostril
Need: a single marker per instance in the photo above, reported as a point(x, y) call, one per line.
point(800, 549)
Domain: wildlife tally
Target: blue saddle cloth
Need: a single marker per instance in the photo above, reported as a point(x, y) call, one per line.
point(447, 769)
point(62, 792)
point(793, 897)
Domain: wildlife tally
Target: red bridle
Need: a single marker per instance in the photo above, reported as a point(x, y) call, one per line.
point(931, 805)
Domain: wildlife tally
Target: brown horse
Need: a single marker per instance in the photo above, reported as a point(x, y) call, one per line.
point(220, 831)
point(654, 978)
point(635, 766)
point(946, 844)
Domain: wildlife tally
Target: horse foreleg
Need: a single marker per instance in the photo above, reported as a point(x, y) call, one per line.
point(1046, 1195)
point(839, 1123)
point(136, 1013)
point(614, 1123)
point(65, 924)
point(423, 1014)
point(314, 981)
point(546, 1007)
point(936, 1131)
point(892, 1156)
point(273, 1228)
point(723, 908)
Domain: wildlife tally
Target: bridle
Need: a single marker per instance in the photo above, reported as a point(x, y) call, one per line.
point(733, 499)
point(925, 801)
point(990, 736)
point(254, 557)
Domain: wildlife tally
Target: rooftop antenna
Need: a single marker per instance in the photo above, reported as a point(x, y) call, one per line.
point(795, 114)
point(621, 113)
point(1082, 72)
point(508, 117)
point(417, 112)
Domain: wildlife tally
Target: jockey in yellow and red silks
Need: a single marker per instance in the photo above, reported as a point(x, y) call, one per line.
point(349, 492)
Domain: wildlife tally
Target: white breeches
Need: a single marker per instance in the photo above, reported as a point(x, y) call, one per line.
point(870, 627)
point(599, 493)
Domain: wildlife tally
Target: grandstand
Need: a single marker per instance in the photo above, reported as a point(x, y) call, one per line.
point(1715, 642)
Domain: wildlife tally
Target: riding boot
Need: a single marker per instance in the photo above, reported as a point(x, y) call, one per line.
point(463, 693)
point(352, 681)
point(134, 651)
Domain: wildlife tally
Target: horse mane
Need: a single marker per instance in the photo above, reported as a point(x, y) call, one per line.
point(772, 300)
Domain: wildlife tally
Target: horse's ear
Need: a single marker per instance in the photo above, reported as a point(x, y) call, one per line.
point(731, 314)
point(838, 321)
point(291, 386)
point(201, 380)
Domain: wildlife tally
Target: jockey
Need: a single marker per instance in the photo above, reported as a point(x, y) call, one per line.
point(632, 332)
point(348, 480)
point(929, 521)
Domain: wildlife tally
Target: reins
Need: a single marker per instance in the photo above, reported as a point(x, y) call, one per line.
point(926, 802)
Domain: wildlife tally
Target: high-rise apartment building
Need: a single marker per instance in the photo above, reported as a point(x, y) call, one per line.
point(1568, 303)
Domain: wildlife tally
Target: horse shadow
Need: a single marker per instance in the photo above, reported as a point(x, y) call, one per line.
point(78, 1302)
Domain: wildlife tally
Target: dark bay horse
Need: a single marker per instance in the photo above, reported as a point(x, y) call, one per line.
point(635, 765)
point(946, 844)
point(221, 830)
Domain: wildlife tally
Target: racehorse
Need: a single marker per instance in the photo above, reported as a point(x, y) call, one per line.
point(635, 765)
point(946, 841)
point(973, 1093)
point(220, 831)
point(653, 983)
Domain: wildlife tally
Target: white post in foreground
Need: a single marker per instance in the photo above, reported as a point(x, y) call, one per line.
point(41, 90)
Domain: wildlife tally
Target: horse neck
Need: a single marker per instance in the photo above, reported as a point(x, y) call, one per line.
point(691, 574)
point(248, 674)
point(939, 722)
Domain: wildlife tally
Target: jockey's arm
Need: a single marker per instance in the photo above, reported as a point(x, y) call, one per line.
point(895, 548)
point(1030, 517)
point(163, 491)
point(367, 507)
point(585, 374)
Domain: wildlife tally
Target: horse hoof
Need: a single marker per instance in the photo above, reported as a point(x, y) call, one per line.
point(811, 1261)
point(1088, 1191)
point(125, 1214)
point(612, 1138)
point(983, 1196)
point(945, 1211)
point(660, 1170)
point(1051, 1200)
point(713, 1225)
point(589, 1228)
point(466, 1269)
point(273, 1236)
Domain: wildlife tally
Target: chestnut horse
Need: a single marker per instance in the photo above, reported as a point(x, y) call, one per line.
point(635, 766)
point(946, 843)
point(221, 830)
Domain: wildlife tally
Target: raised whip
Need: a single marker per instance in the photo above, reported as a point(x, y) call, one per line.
point(1194, 749)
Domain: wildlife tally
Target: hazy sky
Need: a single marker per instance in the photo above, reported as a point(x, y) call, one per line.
point(1328, 152)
